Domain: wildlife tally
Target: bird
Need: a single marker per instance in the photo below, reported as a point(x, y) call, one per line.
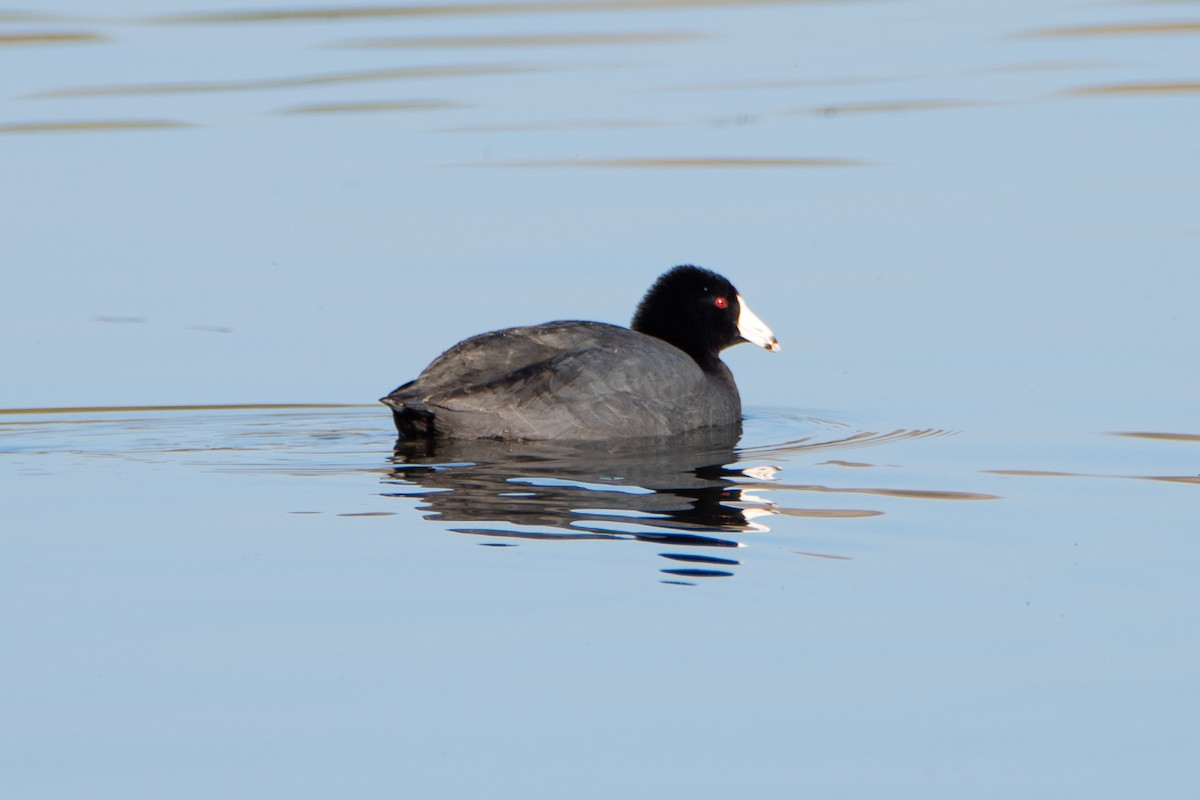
point(590, 381)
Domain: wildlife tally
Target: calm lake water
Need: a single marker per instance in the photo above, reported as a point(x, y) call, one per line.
point(953, 554)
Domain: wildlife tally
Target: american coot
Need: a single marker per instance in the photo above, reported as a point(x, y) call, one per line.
point(589, 380)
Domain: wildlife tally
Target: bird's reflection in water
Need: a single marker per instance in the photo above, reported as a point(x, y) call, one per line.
point(679, 492)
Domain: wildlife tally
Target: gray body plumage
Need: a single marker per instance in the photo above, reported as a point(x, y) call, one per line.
point(565, 380)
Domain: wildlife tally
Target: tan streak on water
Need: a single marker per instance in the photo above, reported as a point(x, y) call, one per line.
point(20, 39)
point(453, 9)
point(828, 513)
point(1116, 29)
point(382, 106)
point(829, 556)
point(884, 107)
point(919, 494)
point(220, 407)
point(1155, 88)
point(1035, 473)
point(587, 124)
point(93, 126)
point(674, 163)
point(526, 40)
point(738, 86)
point(1174, 437)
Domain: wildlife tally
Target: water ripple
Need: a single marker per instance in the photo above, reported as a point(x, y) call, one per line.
point(706, 491)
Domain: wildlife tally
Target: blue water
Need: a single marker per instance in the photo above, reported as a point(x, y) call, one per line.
point(953, 554)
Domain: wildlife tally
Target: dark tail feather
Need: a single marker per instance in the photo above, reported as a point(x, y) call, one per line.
point(413, 418)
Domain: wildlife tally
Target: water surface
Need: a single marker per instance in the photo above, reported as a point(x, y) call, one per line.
point(953, 554)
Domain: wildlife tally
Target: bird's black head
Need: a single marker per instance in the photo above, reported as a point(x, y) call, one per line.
point(701, 313)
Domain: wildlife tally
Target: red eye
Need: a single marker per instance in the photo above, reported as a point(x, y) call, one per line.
point(720, 302)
